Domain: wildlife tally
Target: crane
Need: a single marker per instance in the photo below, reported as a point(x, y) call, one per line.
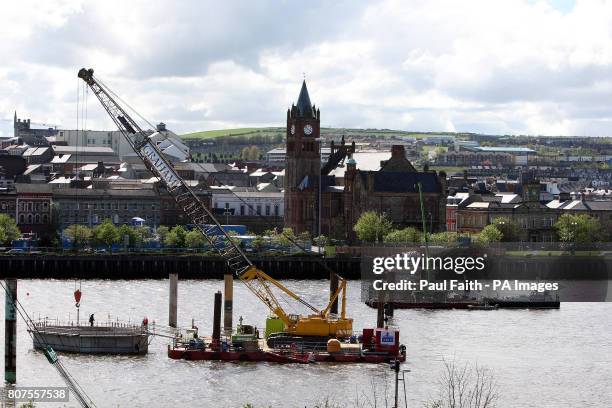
point(318, 324)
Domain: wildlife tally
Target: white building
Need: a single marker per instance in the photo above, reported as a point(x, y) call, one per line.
point(168, 141)
point(243, 201)
point(277, 155)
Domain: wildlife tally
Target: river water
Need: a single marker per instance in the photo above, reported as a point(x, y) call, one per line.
point(546, 358)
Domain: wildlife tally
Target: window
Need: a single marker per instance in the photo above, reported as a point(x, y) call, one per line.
point(37, 219)
point(30, 218)
point(276, 210)
point(45, 218)
point(258, 209)
point(21, 219)
point(267, 209)
point(242, 210)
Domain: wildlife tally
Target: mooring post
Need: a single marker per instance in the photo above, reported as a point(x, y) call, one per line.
point(228, 306)
point(172, 314)
point(333, 287)
point(216, 334)
point(380, 309)
point(10, 332)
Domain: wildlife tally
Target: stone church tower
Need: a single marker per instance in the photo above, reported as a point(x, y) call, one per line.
point(303, 167)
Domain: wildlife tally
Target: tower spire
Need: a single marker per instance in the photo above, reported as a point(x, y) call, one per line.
point(303, 104)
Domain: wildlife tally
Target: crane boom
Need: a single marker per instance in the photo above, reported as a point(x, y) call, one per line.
point(198, 214)
point(204, 221)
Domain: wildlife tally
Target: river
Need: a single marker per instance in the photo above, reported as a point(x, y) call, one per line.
point(545, 358)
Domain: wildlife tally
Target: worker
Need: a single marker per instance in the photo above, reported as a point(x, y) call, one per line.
point(91, 320)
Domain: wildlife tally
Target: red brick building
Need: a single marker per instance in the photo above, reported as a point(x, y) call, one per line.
point(390, 188)
point(303, 168)
point(33, 207)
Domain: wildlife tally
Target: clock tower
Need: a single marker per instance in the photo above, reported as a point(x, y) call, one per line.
point(303, 165)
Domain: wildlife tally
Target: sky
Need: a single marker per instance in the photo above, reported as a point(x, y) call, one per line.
point(541, 67)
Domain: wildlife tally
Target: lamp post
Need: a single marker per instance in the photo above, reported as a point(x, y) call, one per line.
point(320, 140)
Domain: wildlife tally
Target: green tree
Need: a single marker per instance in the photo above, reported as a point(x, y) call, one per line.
point(162, 232)
point(580, 229)
point(106, 233)
point(125, 230)
point(78, 234)
point(194, 239)
point(321, 240)
point(254, 153)
point(407, 235)
point(258, 243)
point(443, 238)
point(284, 238)
point(142, 233)
point(511, 231)
point(176, 237)
point(488, 235)
point(8, 229)
point(372, 227)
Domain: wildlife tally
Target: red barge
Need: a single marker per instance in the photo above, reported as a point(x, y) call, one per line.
point(376, 346)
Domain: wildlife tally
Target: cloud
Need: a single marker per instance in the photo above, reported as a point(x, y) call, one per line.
point(534, 67)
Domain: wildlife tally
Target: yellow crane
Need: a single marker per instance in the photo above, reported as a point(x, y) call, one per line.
point(318, 324)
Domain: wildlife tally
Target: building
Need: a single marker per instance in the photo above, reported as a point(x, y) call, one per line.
point(67, 159)
point(33, 210)
point(278, 155)
point(452, 204)
point(168, 142)
point(32, 134)
point(329, 197)
point(303, 165)
point(91, 206)
point(394, 190)
point(522, 207)
point(259, 208)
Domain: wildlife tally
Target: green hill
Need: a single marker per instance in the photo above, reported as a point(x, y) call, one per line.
point(333, 132)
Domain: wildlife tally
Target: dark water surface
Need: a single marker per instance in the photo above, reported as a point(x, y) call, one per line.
point(551, 358)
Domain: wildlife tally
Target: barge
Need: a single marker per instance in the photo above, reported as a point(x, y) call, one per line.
point(372, 346)
point(109, 338)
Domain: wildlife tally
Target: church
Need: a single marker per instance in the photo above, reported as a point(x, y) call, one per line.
point(328, 198)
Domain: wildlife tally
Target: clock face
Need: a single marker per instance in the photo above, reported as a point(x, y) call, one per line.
point(308, 129)
point(293, 129)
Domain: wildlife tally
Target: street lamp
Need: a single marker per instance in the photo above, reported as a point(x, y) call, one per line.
point(320, 140)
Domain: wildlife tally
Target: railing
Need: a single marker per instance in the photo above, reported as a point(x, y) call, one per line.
point(98, 328)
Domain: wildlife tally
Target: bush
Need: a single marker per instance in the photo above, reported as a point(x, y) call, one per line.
point(372, 227)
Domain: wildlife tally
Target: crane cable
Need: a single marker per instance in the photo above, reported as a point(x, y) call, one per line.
point(70, 380)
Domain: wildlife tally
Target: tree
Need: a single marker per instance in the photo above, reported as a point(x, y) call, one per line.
point(321, 240)
point(580, 229)
point(162, 232)
point(443, 238)
point(284, 238)
point(404, 236)
point(8, 229)
point(488, 235)
point(125, 230)
point(106, 233)
point(194, 239)
point(78, 234)
point(176, 237)
point(511, 231)
point(467, 386)
point(258, 243)
point(142, 233)
point(372, 227)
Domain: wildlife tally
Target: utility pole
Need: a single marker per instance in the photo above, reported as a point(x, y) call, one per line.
point(396, 368)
